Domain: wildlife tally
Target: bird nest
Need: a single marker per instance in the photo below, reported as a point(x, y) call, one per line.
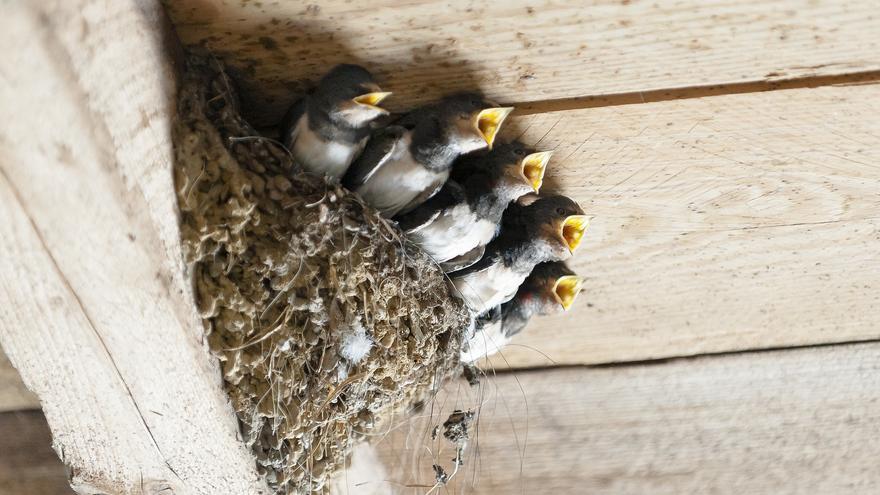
point(325, 320)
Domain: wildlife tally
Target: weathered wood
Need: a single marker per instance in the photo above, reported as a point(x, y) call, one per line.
point(28, 466)
point(794, 421)
point(95, 312)
point(723, 223)
point(522, 50)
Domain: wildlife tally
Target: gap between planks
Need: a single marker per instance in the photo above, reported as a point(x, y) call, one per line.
point(632, 363)
point(690, 92)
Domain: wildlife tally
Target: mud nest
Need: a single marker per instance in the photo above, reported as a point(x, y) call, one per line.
point(326, 322)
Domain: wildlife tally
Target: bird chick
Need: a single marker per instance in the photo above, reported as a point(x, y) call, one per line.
point(455, 225)
point(406, 163)
point(548, 228)
point(551, 288)
point(326, 130)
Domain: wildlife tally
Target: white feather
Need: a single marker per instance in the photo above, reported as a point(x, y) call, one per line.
point(320, 157)
point(487, 341)
point(483, 290)
point(399, 181)
point(454, 233)
point(356, 344)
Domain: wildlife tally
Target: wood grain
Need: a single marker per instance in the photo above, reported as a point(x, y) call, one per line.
point(95, 311)
point(794, 421)
point(724, 223)
point(530, 50)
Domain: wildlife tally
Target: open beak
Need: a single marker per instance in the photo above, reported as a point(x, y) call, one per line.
point(533, 168)
point(372, 99)
point(572, 230)
point(489, 121)
point(566, 290)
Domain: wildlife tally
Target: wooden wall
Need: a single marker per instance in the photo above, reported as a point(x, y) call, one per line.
point(728, 150)
point(726, 342)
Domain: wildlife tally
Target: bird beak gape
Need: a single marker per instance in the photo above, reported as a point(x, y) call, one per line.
point(533, 167)
point(372, 99)
point(572, 230)
point(566, 290)
point(488, 122)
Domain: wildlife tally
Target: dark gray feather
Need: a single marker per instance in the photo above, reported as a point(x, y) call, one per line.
point(375, 154)
point(463, 261)
point(291, 118)
point(450, 195)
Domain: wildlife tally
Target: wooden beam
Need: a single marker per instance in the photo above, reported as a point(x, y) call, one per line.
point(529, 50)
point(722, 224)
point(774, 422)
point(794, 421)
point(95, 310)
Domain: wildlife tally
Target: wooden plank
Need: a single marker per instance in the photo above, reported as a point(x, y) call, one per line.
point(794, 421)
point(724, 223)
point(94, 310)
point(14, 396)
point(529, 50)
point(798, 421)
point(28, 465)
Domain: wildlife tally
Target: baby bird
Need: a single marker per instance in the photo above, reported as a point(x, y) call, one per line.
point(406, 163)
point(326, 130)
point(549, 228)
point(455, 225)
point(550, 288)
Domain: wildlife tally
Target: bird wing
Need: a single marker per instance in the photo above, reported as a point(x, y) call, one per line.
point(450, 195)
point(482, 264)
point(463, 261)
point(288, 124)
point(425, 195)
point(491, 316)
point(376, 153)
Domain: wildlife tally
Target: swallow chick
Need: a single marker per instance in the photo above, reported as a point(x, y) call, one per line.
point(406, 163)
point(548, 228)
point(551, 288)
point(455, 225)
point(326, 130)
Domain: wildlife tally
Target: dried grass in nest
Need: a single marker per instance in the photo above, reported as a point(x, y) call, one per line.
point(285, 269)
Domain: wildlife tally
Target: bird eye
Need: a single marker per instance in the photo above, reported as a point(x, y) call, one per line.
point(560, 211)
point(520, 151)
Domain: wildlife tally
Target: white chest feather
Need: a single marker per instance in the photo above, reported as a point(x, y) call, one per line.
point(399, 181)
point(454, 233)
point(320, 157)
point(485, 342)
point(488, 288)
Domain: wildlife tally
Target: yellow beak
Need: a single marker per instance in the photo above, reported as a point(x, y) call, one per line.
point(488, 122)
point(533, 168)
point(573, 229)
point(372, 99)
point(566, 290)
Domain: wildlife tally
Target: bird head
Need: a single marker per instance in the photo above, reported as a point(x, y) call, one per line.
point(551, 287)
point(471, 122)
point(351, 94)
point(531, 168)
point(559, 221)
point(521, 167)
